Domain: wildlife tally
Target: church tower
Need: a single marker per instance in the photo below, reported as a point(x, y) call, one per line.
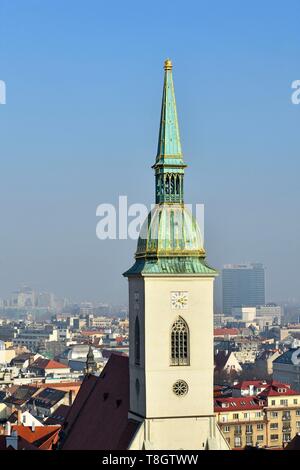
point(171, 310)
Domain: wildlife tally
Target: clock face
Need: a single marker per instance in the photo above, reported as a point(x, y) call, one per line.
point(179, 300)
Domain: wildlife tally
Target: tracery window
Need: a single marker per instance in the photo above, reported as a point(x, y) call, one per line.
point(180, 343)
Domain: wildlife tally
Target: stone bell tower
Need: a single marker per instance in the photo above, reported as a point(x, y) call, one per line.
point(171, 310)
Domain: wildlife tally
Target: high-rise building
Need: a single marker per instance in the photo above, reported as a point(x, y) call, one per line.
point(243, 286)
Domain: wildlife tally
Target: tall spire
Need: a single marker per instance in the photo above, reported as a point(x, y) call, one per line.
point(169, 139)
point(90, 362)
point(169, 165)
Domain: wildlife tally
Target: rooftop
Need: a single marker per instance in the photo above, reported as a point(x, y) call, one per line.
point(103, 399)
point(237, 404)
point(42, 363)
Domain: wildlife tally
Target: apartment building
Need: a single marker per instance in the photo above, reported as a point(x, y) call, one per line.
point(241, 420)
point(270, 419)
point(282, 414)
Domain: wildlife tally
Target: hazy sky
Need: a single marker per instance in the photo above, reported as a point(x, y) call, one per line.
point(84, 83)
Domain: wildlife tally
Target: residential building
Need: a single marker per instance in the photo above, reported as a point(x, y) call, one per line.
point(286, 368)
point(58, 417)
point(246, 350)
point(249, 388)
point(264, 361)
point(282, 413)
point(245, 314)
point(19, 437)
point(226, 362)
point(6, 354)
point(46, 401)
point(241, 421)
point(44, 367)
point(270, 312)
point(35, 338)
point(226, 333)
point(270, 419)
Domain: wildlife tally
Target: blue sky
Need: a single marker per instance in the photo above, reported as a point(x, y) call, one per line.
point(84, 83)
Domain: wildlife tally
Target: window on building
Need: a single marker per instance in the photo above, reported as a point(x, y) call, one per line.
point(297, 424)
point(238, 429)
point(286, 415)
point(246, 415)
point(286, 437)
point(260, 427)
point(249, 440)
point(249, 428)
point(226, 429)
point(273, 402)
point(258, 414)
point(274, 426)
point(295, 401)
point(274, 414)
point(137, 342)
point(284, 402)
point(235, 416)
point(180, 343)
point(260, 437)
point(274, 437)
point(297, 412)
point(237, 442)
point(224, 418)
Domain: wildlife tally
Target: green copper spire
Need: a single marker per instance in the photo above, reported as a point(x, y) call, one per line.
point(169, 145)
point(170, 241)
point(169, 165)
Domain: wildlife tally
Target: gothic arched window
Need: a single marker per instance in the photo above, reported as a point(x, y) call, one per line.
point(137, 342)
point(180, 354)
point(167, 191)
point(177, 184)
point(172, 188)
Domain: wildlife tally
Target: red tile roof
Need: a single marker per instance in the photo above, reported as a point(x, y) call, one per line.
point(43, 437)
point(245, 384)
point(91, 332)
point(237, 404)
point(41, 363)
point(226, 332)
point(278, 389)
point(98, 418)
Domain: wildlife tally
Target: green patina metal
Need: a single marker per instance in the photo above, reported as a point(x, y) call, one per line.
point(177, 266)
point(170, 230)
point(170, 241)
point(169, 165)
point(169, 146)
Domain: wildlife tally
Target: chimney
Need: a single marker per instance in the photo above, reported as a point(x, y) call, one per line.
point(70, 397)
point(12, 440)
point(7, 428)
point(33, 426)
point(19, 417)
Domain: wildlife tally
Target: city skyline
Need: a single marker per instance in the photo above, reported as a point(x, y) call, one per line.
point(63, 117)
point(148, 203)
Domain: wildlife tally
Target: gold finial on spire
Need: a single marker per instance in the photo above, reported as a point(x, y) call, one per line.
point(168, 64)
